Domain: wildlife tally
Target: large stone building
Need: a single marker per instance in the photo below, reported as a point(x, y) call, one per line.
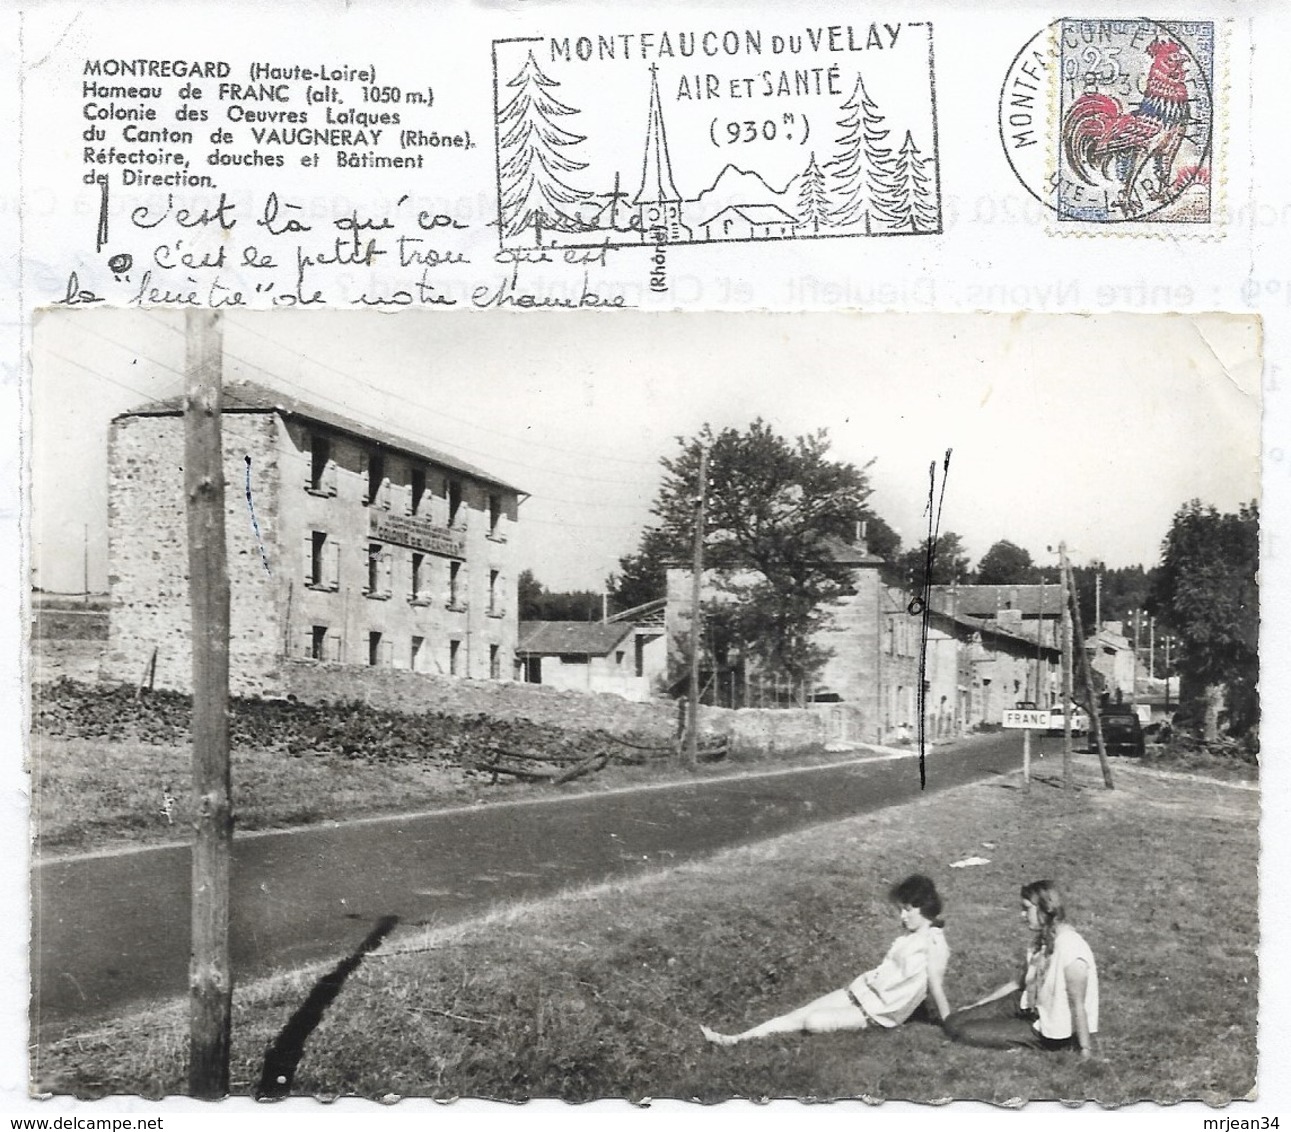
point(985, 653)
point(346, 546)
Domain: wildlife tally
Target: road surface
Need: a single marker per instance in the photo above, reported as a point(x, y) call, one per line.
point(112, 931)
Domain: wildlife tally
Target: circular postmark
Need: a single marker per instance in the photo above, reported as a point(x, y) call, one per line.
point(1111, 121)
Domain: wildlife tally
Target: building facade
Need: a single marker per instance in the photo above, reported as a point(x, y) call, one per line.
point(345, 546)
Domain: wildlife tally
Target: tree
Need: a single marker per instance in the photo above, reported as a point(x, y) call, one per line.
point(813, 201)
point(1006, 565)
point(643, 577)
point(532, 158)
point(950, 564)
point(772, 508)
point(1207, 592)
point(918, 206)
point(537, 603)
point(865, 180)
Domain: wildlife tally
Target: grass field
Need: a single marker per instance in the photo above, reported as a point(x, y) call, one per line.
point(600, 993)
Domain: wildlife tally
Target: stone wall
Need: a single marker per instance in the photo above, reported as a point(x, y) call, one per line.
point(764, 730)
point(148, 553)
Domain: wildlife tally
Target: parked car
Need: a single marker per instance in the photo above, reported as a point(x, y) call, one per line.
point(1122, 731)
point(1079, 720)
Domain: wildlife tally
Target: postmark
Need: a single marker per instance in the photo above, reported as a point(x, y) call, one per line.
point(1112, 123)
point(716, 134)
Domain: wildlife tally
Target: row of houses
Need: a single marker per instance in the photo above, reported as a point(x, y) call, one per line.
point(351, 546)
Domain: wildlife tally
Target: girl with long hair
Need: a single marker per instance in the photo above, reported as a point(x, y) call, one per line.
point(913, 969)
point(1054, 1004)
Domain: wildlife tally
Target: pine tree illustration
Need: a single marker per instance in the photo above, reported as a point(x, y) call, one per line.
point(813, 201)
point(864, 179)
point(533, 161)
point(919, 212)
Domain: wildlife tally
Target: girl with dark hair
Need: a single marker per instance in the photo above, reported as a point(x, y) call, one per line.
point(913, 969)
point(1055, 1003)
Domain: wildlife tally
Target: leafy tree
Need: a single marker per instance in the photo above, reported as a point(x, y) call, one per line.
point(950, 564)
point(643, 576)
point(530, 596)
point(771, 507)
point(1006, 565)
point(537, 603)
point(1207, 592)
point(532, 158)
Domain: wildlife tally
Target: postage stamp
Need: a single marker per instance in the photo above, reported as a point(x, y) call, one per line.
point(738, 134)
point(1112, 122)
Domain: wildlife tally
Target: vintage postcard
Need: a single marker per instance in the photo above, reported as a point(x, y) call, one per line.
point(725, 597)
point(488, 838)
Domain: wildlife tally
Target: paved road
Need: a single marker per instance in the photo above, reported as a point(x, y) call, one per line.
point(111, 931)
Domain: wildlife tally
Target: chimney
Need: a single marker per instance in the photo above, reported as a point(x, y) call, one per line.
point(861, 528)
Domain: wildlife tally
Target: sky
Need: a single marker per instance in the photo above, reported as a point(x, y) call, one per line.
point(1091, 430)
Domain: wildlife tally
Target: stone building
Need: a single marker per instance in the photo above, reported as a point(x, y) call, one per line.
point(346, 546)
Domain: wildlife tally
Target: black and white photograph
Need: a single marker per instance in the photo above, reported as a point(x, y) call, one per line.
point(694, 706)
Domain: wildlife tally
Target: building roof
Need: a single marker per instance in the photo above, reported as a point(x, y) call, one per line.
point(249, 397)
point(994, 632)
point(757, 214)
point(987, 601)
point(591, 638)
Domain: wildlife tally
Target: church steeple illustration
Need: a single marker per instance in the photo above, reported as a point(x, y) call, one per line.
point(657, 201)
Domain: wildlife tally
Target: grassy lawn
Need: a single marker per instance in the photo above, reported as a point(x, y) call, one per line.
point(600, 993)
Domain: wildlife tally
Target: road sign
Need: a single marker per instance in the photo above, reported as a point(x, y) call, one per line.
point(1028, 719)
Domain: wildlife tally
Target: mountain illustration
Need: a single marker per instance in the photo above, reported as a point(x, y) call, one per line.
point(736, 186)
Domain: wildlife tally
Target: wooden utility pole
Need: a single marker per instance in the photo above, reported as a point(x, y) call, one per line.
point(210, 979)
point(697, 567)
point(1095, 721)
point(1066, 667)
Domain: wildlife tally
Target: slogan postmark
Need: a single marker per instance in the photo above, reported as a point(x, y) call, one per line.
point(1111, 123)
point(798, 131)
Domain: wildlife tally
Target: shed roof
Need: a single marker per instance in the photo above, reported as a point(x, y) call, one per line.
point(250, 397)
point(592, 638)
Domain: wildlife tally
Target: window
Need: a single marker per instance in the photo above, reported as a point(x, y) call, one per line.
point(418, 491)
point(379, 571)
point(322, 561)
point(455, 515)
point(375, 652)
point(419, 578)
point(640, 656)
point(454, 651)
point(495, 609)
point(618, 658)
point(495, 663)
point(414, 657)
point(495, 517)
point(322, 472)
point(377, 488)
point(456, 586)
point(318, 642)
point(322, 644)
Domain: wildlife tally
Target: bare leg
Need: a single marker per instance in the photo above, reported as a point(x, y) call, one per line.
point(830, 1012)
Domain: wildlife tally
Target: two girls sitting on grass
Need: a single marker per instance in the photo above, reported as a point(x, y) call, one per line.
point(1053, 1006)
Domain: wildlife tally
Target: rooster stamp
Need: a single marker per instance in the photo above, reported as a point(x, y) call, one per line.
point(1111, 122)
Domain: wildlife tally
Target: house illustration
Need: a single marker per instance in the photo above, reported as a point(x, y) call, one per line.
point(750, 222)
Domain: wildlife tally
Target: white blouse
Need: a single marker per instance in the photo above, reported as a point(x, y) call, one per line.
point(890, 992)
point(1046, 984)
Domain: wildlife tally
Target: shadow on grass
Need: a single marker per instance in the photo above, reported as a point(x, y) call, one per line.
point(285, 1051)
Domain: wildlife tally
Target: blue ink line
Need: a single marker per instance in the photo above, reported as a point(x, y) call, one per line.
point(251, 509)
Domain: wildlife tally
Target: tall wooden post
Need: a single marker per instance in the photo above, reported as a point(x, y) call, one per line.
point(1095, 721)
point(697, 566)
point(210, 979)
point(1066, 668)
